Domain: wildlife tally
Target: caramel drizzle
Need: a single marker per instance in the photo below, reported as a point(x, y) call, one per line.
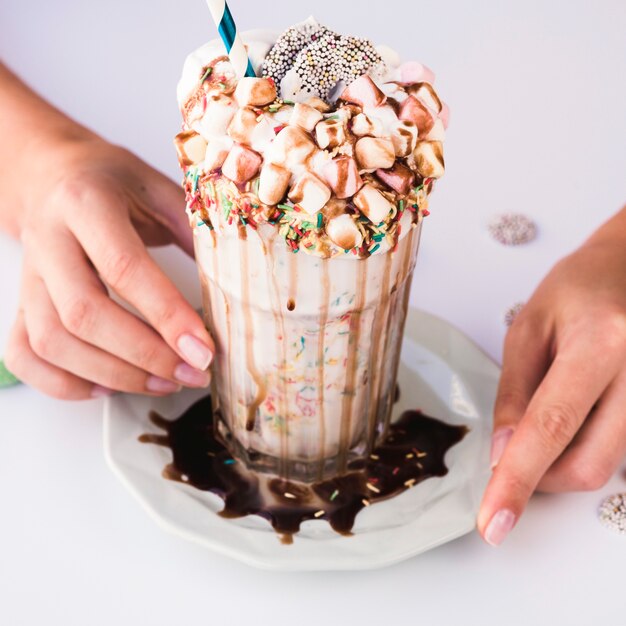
point(279, 321)
point(321, 358)
point(351, 367)
point(404, 287)
point(380, 334)
point(228, 357)
point(261, 391)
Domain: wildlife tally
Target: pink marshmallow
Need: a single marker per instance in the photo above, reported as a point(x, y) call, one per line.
point(364, 92)
point(444, 114)
point(241, 164)
point(342, 175)
point(399, 178)
point(412, 110)
point(414, 72)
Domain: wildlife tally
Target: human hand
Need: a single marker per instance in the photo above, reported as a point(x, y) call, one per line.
point(84, 227)
point(560, 423)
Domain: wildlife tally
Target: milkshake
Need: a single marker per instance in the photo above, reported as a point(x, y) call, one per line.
point(306, 189)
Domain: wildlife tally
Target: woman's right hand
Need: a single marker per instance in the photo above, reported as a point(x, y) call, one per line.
point(87, 213)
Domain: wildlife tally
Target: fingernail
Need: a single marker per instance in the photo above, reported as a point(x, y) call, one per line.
point(499, 527)
point(190, 376)
point(194, 351)
point(161, 385)
point(98, 391)
point(498, 443)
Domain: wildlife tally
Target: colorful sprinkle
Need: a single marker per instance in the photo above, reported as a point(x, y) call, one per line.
point(334, 494)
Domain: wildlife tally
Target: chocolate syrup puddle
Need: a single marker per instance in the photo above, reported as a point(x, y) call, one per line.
point(413, 451)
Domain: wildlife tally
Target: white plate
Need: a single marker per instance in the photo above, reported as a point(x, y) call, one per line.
point(442, 372)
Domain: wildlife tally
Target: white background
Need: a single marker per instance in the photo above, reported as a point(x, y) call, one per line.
point(538, 99)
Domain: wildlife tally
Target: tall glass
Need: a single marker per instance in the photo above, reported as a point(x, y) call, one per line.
point(307, 348)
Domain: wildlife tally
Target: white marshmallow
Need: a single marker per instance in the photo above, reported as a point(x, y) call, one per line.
point(383, 118)
point(291, 148)
point(404, 138)
point(252, 91)
point(374, 152)
point(318, 103)
point(343, 232)
point(252, 129)
point(330, 133)
point(309, 193)
point(217, 117)
point(273, 183)
point(305, 116)
point(437, 132)
point(242, 125)
point(372, 204)
point(283, 115)
point(389, 56)
point(428, 157)
point(216, 152)
point(426, 93)
point(362, 125)
point(190, 147)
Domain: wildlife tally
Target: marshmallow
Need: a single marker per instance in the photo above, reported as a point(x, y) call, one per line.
point(219, 112)
point(343, 232)
point(374, 152)
point(384, 118)
point(389, 55)
point(309, 193)
point(330, 133)
point(364, 92)
point(319, 104)
point(242, 125)
point(191, 147)
point(362, 125)
point(305, 116)
point(414, 72)
point(342, 175)
point(437, 132)
point(428, 157)
point(404, 138)
point(399, 178)
point(252, 129)
point(444, 115)
point(273, 183)
point(255, 92)
point(372, 204)
point(241, 164)
point(426, 94)
point(291, 147)
point(216, 152)
point(414, 111)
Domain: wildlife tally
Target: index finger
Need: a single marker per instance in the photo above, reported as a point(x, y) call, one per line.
point(555, 413)
point(118, 253)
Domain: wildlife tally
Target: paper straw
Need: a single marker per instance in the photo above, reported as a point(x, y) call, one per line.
point(228, 32)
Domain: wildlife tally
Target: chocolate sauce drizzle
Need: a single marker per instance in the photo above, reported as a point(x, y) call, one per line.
point(413, 450)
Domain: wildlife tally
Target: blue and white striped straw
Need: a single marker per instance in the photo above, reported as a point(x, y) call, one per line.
point(228, 32)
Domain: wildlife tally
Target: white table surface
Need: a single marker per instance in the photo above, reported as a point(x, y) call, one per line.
point(538, 97)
